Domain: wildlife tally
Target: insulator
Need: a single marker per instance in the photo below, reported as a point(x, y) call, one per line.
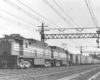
point(98, 31)
point(97, 41)
point(61, 29)
point(80, 29)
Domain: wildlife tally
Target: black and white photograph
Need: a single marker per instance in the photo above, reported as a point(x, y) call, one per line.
point(49, 39)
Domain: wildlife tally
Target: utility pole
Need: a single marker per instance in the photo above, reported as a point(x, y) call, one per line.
point(64, 45)
point(80, 54)
point(42, 32)
point(81, 51)
point(67, 53)
point(98, 32)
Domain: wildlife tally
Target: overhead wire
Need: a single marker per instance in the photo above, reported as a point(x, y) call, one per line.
point(88, 4)
point(37, 13)
point(94, 15)
point(65, 13)
point(49, 20)
point(24, 11)
point(69, 17)
point(46, 18)
point(27, 13)
point(19, 8)
point(17, 23)
point(67, 44)
point(91, 12)
point(58, 13)
point(7, 29)
point(16, 6)
point(17, 17)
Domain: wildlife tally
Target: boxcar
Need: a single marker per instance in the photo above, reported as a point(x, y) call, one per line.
point(78, 59)
point(73, 59)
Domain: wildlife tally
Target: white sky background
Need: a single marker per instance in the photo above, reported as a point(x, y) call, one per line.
point(76, 9)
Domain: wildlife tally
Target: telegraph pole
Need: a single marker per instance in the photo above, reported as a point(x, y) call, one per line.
point(81, 51)
point(42, 32)
point(80, 54)
point(64, 45)
point(98, 32)
point(67, 53)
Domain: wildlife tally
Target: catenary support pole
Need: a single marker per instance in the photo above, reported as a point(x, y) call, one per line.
point(42, 32)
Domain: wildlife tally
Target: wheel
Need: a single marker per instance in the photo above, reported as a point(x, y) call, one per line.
point(21, 65)
point(27, 64)
point(47, 64)
point(58, 64)
point(4, 64)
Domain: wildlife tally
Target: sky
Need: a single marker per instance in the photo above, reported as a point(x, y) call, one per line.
point(16, 18)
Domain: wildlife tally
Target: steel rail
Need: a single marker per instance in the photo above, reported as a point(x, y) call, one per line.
point(78, 74)
point(24, 76)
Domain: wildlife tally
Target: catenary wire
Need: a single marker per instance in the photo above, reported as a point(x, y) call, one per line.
point(33, 11)
point(52, 22)
point(59, 13)
point(69, 18)
point(36, 12)
point(7, 29)
point(65, 14)
point(17, 23)
point(25, 12)
point(7, 19)
point(92, 13)
point(18, 7)
point(17, 17)
point(15, 6)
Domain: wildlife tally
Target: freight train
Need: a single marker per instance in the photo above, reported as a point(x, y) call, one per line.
point(19, 52)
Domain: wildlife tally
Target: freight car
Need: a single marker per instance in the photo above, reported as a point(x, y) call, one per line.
point(77, 59)
point(17, 51)
point(72, 59)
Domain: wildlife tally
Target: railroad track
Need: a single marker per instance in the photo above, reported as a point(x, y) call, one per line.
point(31, 70)
point(30, 74)
point(79, 74)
